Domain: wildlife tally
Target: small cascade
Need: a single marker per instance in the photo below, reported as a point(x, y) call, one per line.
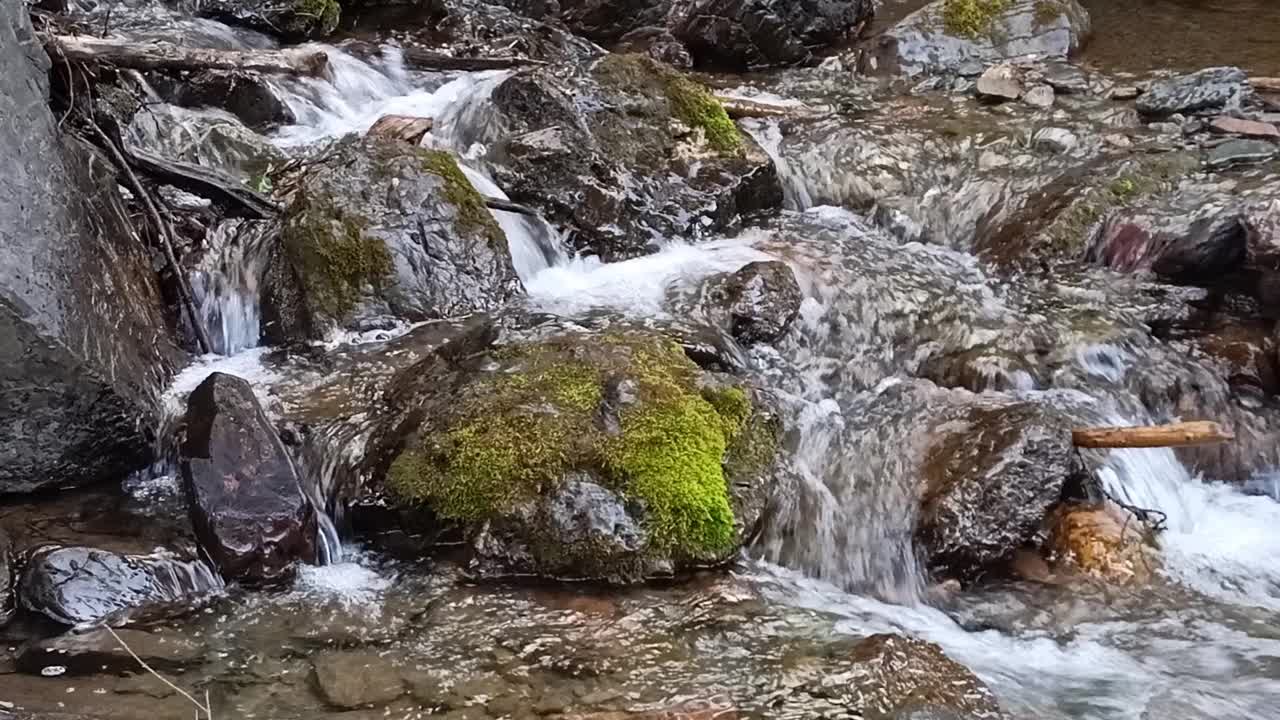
point(768, 135)
point(535, 245)
point(227, 287)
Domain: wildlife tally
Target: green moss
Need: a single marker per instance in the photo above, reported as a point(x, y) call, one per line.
point(517, 430)
point(473, 214)
point(753, 449)
point(331, 254)
point(972, 18)
point(695, 106)
point(321, 15)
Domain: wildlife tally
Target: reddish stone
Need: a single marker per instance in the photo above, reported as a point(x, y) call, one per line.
point(1247, 128)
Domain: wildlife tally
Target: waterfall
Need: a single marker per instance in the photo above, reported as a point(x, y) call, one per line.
point(226, 285)
point(795, 190)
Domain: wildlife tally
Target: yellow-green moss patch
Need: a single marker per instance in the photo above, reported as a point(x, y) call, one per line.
point(473, 214)
point(332, 254)
point(543, 411)
point(972, 18)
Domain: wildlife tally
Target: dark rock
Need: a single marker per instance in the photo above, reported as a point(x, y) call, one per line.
point(7, 596)
point(97, 652)
point(552, 451)
point(524, 28)
point(659, 44)
point(84, 343)
point(1240, 152)
point(627, 154)
point(1000, 82)
point(1210, 248)
point(82, 585)
point(248, 509)
point(293, 20)
point(932, 40)
point(356, 679)
point(383, 230)
point(756, 304)
point(246, 95)
point(1228, 125)
point(1210, 89)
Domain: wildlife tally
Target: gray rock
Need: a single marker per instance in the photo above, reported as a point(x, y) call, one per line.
point(924, 42)
point(84, 343)
point(1065, 78)
point(1209, 89)
point(756, 304)
point(83, 585)
point(1040, 96)
point(7, 595)
point(1240, 152)
point(1053, 139)
point(95, 652)
point(247, 506)
point(384, 230)
point(356, 679)
point(1000, 82)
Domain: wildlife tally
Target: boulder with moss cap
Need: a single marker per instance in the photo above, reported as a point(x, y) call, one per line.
point(964, 36)
point(627, 154)
point(572, 453)
point(376, 232)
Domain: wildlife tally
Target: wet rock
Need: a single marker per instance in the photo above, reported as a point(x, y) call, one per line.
point(96, 651)
point(293, 20)
point(999, 83)
point(1053, 139)
point(248, 509)
point(7, 597)
point(1102, 541)
point(755, 304)
point(711, 708)
point(83, 585)
point(963, 36)
point(356, 679)
point(1040, 96)
point(84, 342)
point(246, 95)
point(382, 230)
point(552, 450)
point(1065, 78)
point(1125, 92)
point(1248, 128)
point(651, 155)
point(1240, 152)
point(1210, 89)
point(402, 127)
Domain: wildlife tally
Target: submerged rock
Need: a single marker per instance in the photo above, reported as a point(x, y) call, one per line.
point(382, 231)
point(96, 652)
point(247, 506)
point(1210, 89)
point(581, 454)
point(84, 585)
point(651, 155)
point(356, 679)
point(755, 304)
point(963, 36)
point(84, 343)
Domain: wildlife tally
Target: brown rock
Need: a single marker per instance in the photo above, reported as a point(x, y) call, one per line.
point(1101, 541)
point(1248, 128)
point(402, 127)
point(356, 679)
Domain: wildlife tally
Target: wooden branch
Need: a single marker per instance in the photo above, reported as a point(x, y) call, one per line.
point(494, 203)
point(1174, 435)
point(419, 59)
point(231, 195)
point(738, 108)
point(166, 56)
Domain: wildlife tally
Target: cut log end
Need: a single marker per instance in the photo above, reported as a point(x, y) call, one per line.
point(1182, 434)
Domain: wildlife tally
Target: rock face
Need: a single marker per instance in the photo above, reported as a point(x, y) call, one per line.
point(383, 231)
point(964, 36)
point(84, 345)
point(1220, 88)
point(83, 585)
point(248, 509)
point(608, 456)
point(724, 33)
point(627, 155)
point(294, 20)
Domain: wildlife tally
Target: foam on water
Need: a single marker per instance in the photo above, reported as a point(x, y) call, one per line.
point(350, 583)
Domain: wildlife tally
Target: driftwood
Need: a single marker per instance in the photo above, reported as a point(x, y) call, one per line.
point(738, 108)
point(402, 127)
point(419, 59)
point(166, 56)
point(1173, 435)
point(494, 203)
point(228, 193)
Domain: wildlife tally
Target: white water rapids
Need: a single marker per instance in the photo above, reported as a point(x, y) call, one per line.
point(1203, 649)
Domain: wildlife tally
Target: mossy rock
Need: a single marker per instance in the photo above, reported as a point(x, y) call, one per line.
point(293, 20)
point(606, 456)
point(377, 232)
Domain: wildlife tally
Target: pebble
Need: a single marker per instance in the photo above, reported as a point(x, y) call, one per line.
point(1040, 96)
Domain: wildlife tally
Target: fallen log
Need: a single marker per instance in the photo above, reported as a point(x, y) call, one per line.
point(231, 195)
point(1153, 436)
point(166, 56)
point(494, 203)
point(738, 108)
point(419, 59)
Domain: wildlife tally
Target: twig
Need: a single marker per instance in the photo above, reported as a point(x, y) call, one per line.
point(205, 708)
point(164, 232)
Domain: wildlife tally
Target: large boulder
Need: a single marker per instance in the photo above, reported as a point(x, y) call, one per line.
point(571, 453)
point(379, 231)
point(83, 585)
point(249, 510)
point(84, 344)
point(964, 36)
point(627, 155)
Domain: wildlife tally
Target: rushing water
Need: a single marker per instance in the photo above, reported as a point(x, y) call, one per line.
point(1196, 646)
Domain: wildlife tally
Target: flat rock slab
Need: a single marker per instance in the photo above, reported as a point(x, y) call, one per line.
point(1248, 128)
point(1240, 152)
point(357, 679)
point(96, 651)
point(1208, 89)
